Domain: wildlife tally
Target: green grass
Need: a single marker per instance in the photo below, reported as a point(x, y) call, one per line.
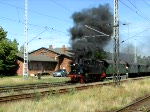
point(106, 98)
point(19, 80)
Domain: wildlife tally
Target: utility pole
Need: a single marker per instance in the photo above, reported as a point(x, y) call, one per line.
point(128, 23)
point(25, 65)
point(116, 75)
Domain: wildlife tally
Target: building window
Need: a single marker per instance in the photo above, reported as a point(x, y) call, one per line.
point(43, 53)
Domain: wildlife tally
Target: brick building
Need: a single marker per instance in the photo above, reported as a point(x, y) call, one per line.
point(46, 60)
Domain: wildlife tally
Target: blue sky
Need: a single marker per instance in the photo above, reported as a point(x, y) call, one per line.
point(56, 16)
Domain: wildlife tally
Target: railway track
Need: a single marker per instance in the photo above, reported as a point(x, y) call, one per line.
point(36, 95)
point(141, 105)
point(63, 89)
point(18, 88)
point(4, 89)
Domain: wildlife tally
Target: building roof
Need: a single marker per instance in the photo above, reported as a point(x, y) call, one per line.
point(58, 51)
point(111, 61)
point(61, 52)
point(37, 58)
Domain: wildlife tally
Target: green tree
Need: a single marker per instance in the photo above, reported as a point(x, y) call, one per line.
point(8, 51)
point(100, 54)
point(140, 59)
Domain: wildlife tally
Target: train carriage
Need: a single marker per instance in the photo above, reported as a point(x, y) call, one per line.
point(148, 70)
point(133, 70)
point(143, 69)
point(122, 68)
point(109, 68)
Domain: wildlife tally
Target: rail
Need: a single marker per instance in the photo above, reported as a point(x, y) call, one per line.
point(141, 105)
point(62, 90)
point(4, 89)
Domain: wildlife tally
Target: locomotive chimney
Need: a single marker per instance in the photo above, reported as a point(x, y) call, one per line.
point(50, 46)
point(63, 48)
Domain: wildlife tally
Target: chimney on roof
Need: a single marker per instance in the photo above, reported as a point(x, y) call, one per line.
point(50, 46)
point(63, 48)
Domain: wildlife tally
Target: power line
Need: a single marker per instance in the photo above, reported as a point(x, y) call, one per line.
point(136, 35)
point(38, 35)
point(36, 12)
point(134, 3)
point(61, 5)
point(13, 20)
point(18, 14)
point(133, 10)
point(9, 19)
point(146, 3)
point(139, 10)
point(34, 25)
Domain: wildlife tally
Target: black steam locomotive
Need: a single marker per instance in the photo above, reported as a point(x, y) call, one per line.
point(88, 70)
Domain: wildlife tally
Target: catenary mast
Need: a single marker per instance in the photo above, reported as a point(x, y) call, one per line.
point(116, 75)
point(25, 65)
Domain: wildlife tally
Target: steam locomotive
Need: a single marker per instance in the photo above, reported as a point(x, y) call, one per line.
point(88, 70)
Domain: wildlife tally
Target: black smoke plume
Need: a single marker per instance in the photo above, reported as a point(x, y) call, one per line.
point(85, 42)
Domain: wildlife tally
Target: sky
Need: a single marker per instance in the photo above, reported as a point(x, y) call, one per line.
point(49, 22)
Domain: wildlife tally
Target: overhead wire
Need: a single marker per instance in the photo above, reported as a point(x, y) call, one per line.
point(38, 35)
point(149, 6)
point(138, 10)
point(146, 3)
point(19, 21)
point(134, 3)
point(139, 15)
point(135, 35)
point(34, 25)
point(36, 12)
point(18, 14)
point(134, 10)
point(14, 20)
point(9, 19)
point(144, 45)
point(61, 5)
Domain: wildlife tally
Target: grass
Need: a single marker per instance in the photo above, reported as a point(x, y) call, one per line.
point(19, 80)
point(106, 98)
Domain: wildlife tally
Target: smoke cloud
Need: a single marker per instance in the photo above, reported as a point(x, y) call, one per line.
point(85, 42)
